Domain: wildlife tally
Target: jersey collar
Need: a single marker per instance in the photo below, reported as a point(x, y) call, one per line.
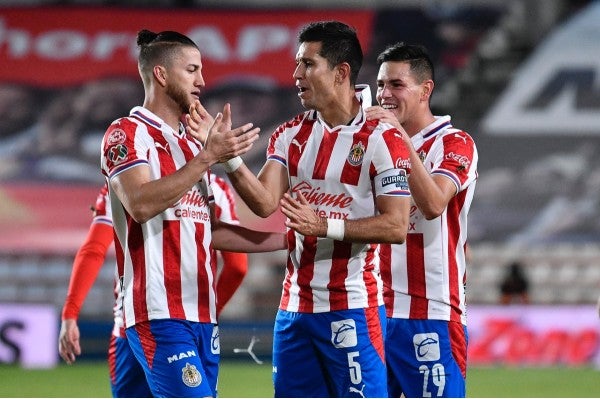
point(363, 94)
point(153, 120)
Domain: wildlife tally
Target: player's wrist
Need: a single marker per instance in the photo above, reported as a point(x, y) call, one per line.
point(232, 164)
point(336, 229)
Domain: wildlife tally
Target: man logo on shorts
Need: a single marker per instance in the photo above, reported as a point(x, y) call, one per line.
point(190, 376)
point(343, 333)
point(427, 347)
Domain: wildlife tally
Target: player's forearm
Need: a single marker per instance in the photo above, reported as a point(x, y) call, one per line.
point(377, 229)
point(144, 198)
point(240, 239)
point(426, 194)
point(86, 266)
point(253, 192)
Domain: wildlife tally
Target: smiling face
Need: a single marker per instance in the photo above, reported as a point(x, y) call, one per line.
point(315, 79)
point(399, 92)
point(185, 79)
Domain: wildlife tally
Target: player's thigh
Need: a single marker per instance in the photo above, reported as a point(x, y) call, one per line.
point(351, 342)
point(127, 378)
point(426, 358)
point(173, 357)
point(297, 371)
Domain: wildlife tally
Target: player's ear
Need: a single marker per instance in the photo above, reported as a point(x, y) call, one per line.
point(160, 74)
point(342, 72)
point(427, 89)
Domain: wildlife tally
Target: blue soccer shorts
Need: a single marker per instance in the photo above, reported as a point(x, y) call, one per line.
point(180, 358)
point(127, 378)
point(330, 354)
point(426, 358)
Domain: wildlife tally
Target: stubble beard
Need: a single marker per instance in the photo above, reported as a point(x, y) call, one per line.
point(179, 97)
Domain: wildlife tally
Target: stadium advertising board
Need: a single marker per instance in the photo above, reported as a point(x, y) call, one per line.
point(28, 335)
point(531, 335)
point(38, 46)
point(557, 90)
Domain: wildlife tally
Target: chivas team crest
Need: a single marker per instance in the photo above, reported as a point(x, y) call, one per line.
point(357, 152)
point(191, 376)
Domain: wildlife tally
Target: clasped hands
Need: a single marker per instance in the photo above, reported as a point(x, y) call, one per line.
point(218, 138)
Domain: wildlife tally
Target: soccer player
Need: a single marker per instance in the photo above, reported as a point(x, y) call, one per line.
point(127, 377)
point(426, 342)
point(341, 181)
point(161, 201)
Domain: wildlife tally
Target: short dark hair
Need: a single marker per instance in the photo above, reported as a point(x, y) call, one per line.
point(158, 48)
point(339, 43)
point(415, 54)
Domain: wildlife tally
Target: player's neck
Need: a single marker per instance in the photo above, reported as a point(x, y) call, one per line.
point(416, 125)
point(166, 110)
point(341, 113)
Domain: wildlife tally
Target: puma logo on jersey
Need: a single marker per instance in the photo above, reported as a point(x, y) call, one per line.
point(166, 147)
point(459, 136)
point(296, 143)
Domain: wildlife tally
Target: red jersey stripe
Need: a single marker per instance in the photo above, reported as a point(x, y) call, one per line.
point(287, 283)
point(369, 278)
point(454, 209)
point(297, 145)
point(172, 268)
point(167, 165)
point(305, 274)
point(138, 260)
point(385, 256)
point(416, 276)
point(203, 282)
point(338, 294)
point(324, 154)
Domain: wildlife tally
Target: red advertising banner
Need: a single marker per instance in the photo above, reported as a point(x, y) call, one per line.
point(536, 336)
point(55, 218)
point(63, 46)
point(45, 218)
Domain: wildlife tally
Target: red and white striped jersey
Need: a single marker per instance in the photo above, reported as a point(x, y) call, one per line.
point(102, 211)
point(165, 263)
point(425, 277)
point(225, 209)
point(103, 214)
point(339, 171)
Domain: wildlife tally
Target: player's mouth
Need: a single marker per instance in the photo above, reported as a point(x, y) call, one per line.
point(301, 90)
point(389, 106)
point(196, 94)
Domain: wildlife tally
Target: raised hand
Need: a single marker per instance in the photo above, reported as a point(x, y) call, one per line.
point(198, 121)
point(387, 116)
point(384, 115)
point(223, 142)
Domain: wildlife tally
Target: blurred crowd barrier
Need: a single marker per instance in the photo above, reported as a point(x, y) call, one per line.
point(563, 274)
